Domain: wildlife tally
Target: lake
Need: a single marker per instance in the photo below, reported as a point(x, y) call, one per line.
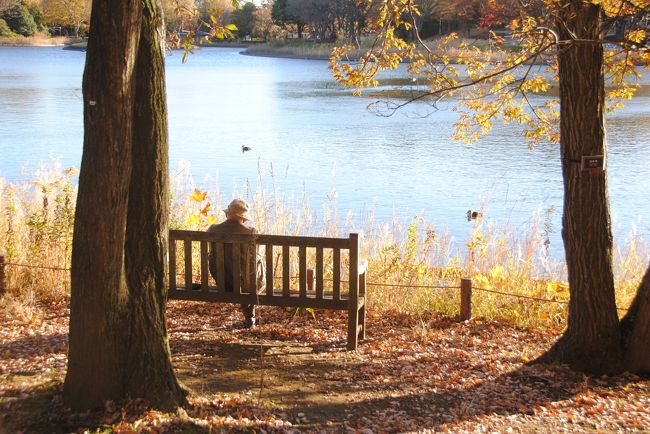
point(315, 137)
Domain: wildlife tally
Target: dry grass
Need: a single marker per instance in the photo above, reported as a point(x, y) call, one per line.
point(38, 40)
point(405, 257)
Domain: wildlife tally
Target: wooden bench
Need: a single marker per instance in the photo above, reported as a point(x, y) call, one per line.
point(329, 255)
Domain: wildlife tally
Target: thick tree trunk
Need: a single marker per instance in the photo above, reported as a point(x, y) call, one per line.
point(592, 341)
point(636, 329)
point(118, 340)
point(99, 294)
point(150, 374)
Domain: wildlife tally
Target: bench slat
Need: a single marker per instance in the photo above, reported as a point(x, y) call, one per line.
point(302, 279)
point(221, 272)
point(269, 269)
point(188, 264)
point(285, 271)
point(336, 269)
point(265, 300)
point(172, 264)
point(204, 265)
point(319, 272)
point(276, 240)
point(236, 269)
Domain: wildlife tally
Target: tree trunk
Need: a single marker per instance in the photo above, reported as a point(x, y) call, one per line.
point(636, 329)
point(98, 293)
point(592, 341)
point(118, 341)
point(147, 355)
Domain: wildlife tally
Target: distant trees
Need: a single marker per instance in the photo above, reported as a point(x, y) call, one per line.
point(263, 26)
point(67, 13)
point(327, 20)
point(244, 18)
point(26, 18)
point(282, 16)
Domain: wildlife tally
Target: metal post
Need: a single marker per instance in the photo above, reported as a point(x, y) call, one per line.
point(465, 299)
point(3, 284)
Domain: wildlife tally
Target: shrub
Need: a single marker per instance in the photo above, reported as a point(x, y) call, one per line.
point(20, 20)
point(4, 29)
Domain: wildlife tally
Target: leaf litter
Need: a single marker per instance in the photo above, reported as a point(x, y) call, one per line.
point(419, 374)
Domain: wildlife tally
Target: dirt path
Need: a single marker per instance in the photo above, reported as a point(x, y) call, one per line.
point(292, 374)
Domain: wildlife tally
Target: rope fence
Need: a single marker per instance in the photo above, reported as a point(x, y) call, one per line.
point(38, 267)
point(465, 287)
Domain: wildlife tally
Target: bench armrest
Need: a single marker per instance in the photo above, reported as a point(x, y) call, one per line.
point(363, 266)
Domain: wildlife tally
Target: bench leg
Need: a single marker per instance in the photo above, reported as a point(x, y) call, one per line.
point(362, 322)
point(353, 321)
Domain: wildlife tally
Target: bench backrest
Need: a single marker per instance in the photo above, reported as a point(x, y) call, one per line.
point(320, 294)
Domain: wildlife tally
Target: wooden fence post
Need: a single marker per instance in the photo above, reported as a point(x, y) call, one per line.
point(465, 299)
point(3, 284)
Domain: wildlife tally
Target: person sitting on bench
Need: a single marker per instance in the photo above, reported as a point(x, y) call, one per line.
point(252, 268)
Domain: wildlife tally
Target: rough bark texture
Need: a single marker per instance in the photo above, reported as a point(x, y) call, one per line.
point(592, 340)
point(99, 294)
point(118, 342)
point(148, 357)
point(636, 329)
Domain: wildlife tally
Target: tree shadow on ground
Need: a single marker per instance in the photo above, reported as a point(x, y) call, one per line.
point(330, 386)
point(34, 345)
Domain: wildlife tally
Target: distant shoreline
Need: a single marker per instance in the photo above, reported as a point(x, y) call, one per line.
point(37, 41)
point(281, 55)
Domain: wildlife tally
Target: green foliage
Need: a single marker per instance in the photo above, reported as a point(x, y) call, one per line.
point(281, 15)
point(244, 19)
point(20, 20)
point(35, 10)
point(5, 30)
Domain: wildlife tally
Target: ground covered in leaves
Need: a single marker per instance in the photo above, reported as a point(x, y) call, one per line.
point(292, 374)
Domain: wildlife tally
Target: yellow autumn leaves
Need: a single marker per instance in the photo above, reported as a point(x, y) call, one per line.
point(494, 83)
point(200, 216)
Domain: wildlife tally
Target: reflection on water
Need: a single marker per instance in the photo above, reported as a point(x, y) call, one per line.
point(320, 138)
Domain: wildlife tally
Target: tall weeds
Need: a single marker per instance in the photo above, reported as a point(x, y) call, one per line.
point(414, 265)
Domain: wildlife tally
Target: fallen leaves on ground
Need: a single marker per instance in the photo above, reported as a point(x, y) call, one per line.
point(292, 374)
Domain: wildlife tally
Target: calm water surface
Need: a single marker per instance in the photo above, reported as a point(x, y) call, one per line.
point(319, 139)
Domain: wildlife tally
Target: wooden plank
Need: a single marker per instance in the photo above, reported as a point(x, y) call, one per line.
point(236, 268)
point(310, 280)
point(204, 265)
point(286, 271)
point(277, 240)
point(319, 272)
point(221, 271)
point(172, 264)
point(269, 269)
point(302, 271)
point(264, 300)
point(336, 277)
point(353, 296)
point(188, 264)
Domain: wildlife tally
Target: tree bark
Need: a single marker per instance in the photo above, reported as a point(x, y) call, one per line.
point(592, 341)
point(118, 344)
point(636, 329)
point(98, 293)
point(150, 374)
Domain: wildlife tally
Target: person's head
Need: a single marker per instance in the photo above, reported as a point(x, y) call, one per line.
point(237, 210)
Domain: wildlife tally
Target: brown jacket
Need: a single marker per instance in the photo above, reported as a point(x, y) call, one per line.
point(248, 256)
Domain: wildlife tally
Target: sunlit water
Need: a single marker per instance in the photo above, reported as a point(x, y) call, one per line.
point(320, 140)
